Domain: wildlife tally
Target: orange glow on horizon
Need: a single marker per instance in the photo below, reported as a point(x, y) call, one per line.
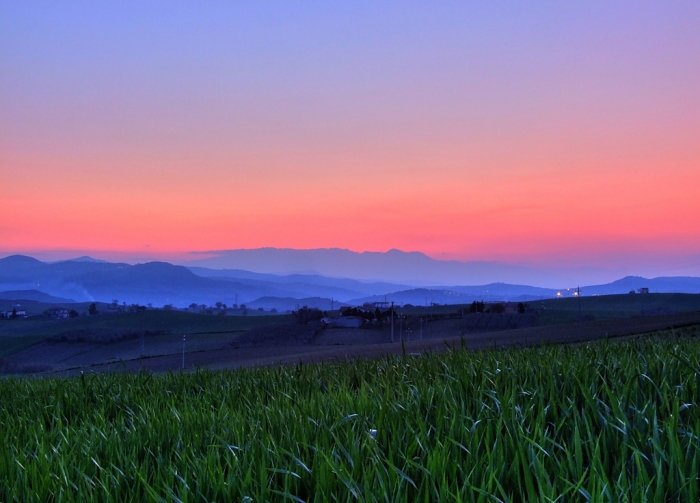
point(530, 214)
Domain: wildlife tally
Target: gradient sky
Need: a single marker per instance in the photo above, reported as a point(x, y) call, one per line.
point(562, 133)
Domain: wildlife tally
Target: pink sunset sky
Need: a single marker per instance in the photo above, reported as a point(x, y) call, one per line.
point(553, 134)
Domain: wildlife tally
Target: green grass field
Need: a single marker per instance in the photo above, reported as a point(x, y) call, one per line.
point(598, 422)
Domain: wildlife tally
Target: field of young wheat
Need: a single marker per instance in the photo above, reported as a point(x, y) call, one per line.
point(599, 422)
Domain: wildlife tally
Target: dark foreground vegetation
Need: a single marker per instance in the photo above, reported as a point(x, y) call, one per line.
point(599, 422)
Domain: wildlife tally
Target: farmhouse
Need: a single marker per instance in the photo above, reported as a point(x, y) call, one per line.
point(57, 313)
point(513, 308)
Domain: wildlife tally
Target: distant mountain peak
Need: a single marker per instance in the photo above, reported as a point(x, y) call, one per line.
point(397, 252)
point(20, 260)
point(87, 258)
point(159, 269)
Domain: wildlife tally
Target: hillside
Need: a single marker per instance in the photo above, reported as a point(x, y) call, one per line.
point(33, 295)
point(678, 284)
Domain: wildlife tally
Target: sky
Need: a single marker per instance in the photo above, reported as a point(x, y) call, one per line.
point(543, 133)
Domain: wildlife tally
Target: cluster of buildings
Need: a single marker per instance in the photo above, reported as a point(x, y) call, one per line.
point(17, 312)
point(116, 308)
point(57, 313)
point(640, 290)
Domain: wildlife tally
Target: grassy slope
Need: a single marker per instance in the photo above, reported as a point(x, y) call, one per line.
point(631, 303)
point(18, 334)
point(619, 304)
point(566, 310)
point(615, 306)
point(173, 321)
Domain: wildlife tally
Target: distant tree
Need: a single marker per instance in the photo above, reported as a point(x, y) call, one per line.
point(218, 305)
point(521, 307)
point(476, 307)
point(497, 308)
point(92, 310)
point(73, 313)
point(307, 314)
point(378, 316)
point(261, 309)
point(14, 313)
point(273, 310)
point(193, 306)
point(168, 307)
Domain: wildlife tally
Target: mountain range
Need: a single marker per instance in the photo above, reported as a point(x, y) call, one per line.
point(160, 283)
point(394, 266)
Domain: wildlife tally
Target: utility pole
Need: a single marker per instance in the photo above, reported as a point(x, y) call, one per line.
point(400, 328)
point(421, 329)
point(183, 351)
point(392, 322)
point(578, 294)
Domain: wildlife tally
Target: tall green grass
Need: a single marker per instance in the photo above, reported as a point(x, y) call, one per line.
point(600, 422)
